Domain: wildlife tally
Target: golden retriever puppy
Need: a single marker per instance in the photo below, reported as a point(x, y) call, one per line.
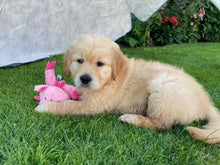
point(149, 94)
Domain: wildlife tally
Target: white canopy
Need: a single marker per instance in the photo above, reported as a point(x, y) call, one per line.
point(216, 3)
point(35, 29)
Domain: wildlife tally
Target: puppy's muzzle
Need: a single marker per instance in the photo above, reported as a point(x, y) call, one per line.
point(85, 79)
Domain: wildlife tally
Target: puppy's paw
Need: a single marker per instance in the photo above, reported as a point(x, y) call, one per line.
point(129, 118)
point(42, 108)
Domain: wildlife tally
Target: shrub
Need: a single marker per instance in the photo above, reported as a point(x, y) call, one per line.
point(179, 21)
point(139, 35)
point(210, 28)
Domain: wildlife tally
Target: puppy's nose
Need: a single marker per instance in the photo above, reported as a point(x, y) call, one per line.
point(85, 79)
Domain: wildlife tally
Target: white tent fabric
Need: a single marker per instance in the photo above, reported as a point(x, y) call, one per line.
point(216, 3)
point(35, 29)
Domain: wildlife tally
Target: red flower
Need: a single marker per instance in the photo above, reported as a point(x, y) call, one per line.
point(174, 21)
point(166, 18)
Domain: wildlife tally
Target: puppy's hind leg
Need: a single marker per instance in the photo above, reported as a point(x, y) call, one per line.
point(141, 121)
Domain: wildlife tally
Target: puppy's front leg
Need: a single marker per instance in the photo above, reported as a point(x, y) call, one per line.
point(68, 107)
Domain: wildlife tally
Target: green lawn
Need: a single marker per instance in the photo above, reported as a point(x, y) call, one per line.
point(28, 137)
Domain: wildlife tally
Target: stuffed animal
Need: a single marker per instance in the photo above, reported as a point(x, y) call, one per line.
point(55, 89)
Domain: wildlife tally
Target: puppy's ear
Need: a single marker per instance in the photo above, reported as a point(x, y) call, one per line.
point(68, 58)
point(119, 63)
point(67, 63)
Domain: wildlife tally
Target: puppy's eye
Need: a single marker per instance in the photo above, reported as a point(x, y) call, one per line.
point(99, 63)
point(80, 61)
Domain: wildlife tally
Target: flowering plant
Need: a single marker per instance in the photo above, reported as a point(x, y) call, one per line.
point(180, 21)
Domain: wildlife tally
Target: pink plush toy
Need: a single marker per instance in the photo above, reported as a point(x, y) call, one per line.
point(55, 89)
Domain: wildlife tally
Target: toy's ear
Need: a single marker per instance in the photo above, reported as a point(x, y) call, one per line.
point(68, 58)
point(37, 98)
point(50, 65)
point(40, 88)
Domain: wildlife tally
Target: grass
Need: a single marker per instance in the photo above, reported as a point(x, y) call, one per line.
point(28, 137)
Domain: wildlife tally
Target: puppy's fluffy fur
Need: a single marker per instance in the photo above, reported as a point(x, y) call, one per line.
point(149, 94)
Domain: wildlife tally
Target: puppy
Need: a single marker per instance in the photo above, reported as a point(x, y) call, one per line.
point(149, 94)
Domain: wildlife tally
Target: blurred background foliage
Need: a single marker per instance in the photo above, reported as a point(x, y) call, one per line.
point(178, 21)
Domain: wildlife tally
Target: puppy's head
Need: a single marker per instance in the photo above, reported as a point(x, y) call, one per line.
point(93, 61)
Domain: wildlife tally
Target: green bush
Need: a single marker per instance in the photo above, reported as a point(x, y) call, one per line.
point(139, 35)
point(210, 29)
point(179, 21)
point(182, 23)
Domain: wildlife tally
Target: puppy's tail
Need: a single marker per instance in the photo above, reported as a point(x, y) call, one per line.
point(210, 132)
